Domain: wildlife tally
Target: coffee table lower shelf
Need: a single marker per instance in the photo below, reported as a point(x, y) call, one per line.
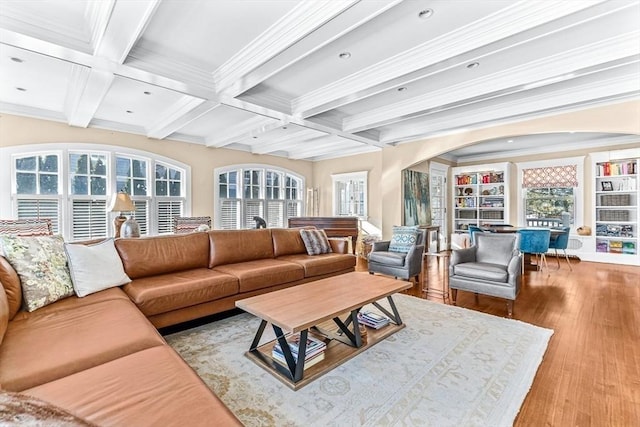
point(335, 354)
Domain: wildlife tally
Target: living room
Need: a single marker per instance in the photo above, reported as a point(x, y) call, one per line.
point(131, 85)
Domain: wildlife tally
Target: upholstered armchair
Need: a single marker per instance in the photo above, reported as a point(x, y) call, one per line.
point(491, 267)
point(398, 264)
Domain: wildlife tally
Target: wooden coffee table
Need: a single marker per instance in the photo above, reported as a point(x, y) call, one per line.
point(316, 308)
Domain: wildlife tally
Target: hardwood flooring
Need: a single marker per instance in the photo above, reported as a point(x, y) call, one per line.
point(590, 374)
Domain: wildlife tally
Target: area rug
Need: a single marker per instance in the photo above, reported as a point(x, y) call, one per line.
point(449, 367)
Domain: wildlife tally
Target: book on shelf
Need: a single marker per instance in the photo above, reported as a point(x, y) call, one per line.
point(373, 320)
point(308, 362)
point(314, 346)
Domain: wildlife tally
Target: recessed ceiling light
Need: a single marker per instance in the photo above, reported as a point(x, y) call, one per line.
point(21, 89)
point(345, 55)
point(129, 112)
point(146, 92)
point(424, 14)
point(255, 137)
point(16, 59)
point(284, 127)
point(402, 89)
point(510, 140)
point(473, 65)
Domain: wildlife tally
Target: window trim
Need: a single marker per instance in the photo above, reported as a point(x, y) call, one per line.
point(240, 168)
point(63, 149)
point(578, 191)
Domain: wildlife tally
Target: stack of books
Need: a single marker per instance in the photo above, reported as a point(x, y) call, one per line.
point(373, 320)
point(314, 352)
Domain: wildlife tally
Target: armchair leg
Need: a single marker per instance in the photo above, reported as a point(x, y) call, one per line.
point(454, 295)
point(371, 273)
point(510, 308)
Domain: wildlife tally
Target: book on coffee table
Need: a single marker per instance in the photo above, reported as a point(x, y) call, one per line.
point(373, 320)
point(308, 362)
point(314, 346)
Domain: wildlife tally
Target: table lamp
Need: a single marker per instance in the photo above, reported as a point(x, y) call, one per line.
point(125, 227)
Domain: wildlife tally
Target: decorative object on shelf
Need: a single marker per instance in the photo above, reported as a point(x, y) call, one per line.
point(585, 230)
point(124, 227)
point(606, 185)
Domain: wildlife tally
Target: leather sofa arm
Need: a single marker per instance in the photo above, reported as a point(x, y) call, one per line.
point(339, 246)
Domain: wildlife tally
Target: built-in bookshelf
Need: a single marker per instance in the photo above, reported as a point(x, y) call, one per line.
point(481, 196)
point(616, 191)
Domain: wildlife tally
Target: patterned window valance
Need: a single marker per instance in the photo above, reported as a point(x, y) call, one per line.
point(553, 176)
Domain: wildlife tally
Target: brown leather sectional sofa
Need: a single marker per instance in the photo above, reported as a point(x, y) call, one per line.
point(101, 358)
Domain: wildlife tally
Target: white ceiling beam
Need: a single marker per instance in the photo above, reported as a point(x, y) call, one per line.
point(300, 21)
point(244, 130)
point(318, 147)
point(344, 153)
point(317, 38)
point(536, 104)
point(87, 88)
point(127, 22)
point(511, 20)
point(179, 115)
point(558, 67)
point(539, 32)
point(285, 142)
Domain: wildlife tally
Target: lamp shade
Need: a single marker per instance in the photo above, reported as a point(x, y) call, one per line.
point(121, 202)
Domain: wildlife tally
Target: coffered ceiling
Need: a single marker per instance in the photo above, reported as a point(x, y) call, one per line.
point(312, 79)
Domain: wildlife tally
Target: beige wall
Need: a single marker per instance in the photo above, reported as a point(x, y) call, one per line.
point(385, 195)
point(16, 130)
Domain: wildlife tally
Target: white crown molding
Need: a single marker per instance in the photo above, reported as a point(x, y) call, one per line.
point(33, 112)
point(558, 65)
point(511, 20)
point(246, 129)
point(15, 17)
point(300, 21)
point(343, 23)
point(178, 115)
point(126, 23)
point(529, 105)
point(581, 145)
point(86, 90)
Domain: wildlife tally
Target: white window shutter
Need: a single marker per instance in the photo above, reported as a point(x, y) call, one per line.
point(252, 208)
point(229, 214)
point(89, 220)
point(141, 215)
point(40, 208)
point(275, 213)
point(167, 209)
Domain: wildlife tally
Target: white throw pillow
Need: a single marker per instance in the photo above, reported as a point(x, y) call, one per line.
point(95, 267)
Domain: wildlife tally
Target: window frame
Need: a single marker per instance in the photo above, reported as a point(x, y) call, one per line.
point(578, 192)
point(241, 200)
point(346, 178)
point(8, 198)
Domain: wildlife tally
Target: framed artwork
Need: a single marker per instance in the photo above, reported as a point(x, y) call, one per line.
point(417, 206)
point(606, 185)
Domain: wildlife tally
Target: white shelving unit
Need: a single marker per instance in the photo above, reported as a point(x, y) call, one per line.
point(480, 195)
point(615, 200)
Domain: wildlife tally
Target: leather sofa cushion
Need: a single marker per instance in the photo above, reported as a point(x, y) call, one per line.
point(163, 254)
point(72, 303)
point(235, 246)
point(482, 270)
point(4, 313)
point(263, 273)
point(166, 292)
point(11, 283)
point(287, 241)
point(317, 265)
point(43, 348)
point(388, 258)
point(152, 387)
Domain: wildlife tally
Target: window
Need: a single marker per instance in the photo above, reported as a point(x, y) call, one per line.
point(549, 189)
point(350, 194)
point(72, 184)
point(270, 193)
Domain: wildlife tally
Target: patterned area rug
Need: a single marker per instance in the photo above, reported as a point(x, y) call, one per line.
point(449, 367)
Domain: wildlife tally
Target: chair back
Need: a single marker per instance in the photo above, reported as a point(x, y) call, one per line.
point(534, 241)
point(561, 240)
point(472, 230)
point(26, 227)
point(496, 248)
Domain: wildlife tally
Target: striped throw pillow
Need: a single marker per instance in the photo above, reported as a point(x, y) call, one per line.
point(315, 241)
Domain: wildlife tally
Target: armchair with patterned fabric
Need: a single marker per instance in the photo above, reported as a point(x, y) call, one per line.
point(401, 256)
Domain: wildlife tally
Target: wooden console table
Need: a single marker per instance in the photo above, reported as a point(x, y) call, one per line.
point(333, 226)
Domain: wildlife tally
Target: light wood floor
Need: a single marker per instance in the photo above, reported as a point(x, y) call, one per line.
point(590, 375)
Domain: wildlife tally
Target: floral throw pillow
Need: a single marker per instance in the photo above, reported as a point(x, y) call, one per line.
point(41, 264)
point(403, 238)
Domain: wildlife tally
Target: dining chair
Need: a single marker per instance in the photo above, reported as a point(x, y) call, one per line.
point(472, 230)
point(561, 241)
point(535, 241)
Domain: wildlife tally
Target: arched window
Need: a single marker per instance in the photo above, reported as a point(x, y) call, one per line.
point(73, 183)
point(245, 191)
